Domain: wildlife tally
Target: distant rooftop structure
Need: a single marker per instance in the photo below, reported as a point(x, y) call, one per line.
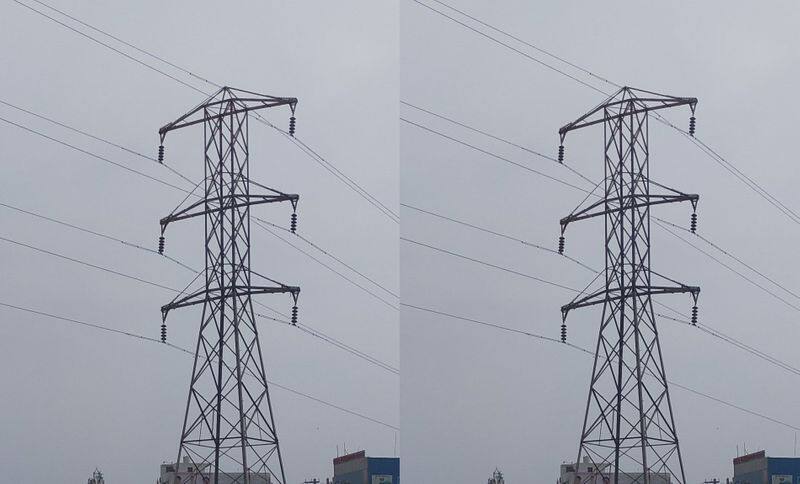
point(188, 473)
point(97, 477)
point(497, 477)
point(587, 472)
point(357, 468)
point(758, 468)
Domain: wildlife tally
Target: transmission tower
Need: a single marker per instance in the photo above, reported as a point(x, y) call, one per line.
point(229, 428)
point(628, 430)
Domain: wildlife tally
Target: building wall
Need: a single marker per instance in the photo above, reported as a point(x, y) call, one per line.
point(369, 470)
point(757, 468)
point(384, 470)
point(355, 477)
point(783, 470)
point(750, 469)
point(752, 477)
point(350, 469)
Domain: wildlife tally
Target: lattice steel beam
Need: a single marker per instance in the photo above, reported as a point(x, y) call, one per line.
point(229, 432)
point(629, 430)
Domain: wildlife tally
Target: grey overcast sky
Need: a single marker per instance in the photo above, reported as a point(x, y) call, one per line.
point(74, 398)
point(472, 397)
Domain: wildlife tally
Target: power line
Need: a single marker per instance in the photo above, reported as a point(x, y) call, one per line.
point(493, 155)
point(510, 47)
point(96, 234)
point(703, 327)
point(331, 168)
point(659, 222)
point(732, 169)
point(348, 181)
point(586, 351)
point(337, 407)
point(340, 175)
point(723, 264)
point(497, 156)
point(329, 254)
point(319, 334)
point(334, 342)
point(185, 71)
point(711, 153)
point(539, 49)
point(480, 131)
point(497, 138)
point(711, 331)
point(488, 264)
point(97, 138)
point(106, 269)
point(179, 348)
point(87, 36)
point(307, 329)
point(303, 146)
point(152, 178)
point(732, 256)
point(487, 324)
point(88, 264)
point(136, 60)
point(93, 155)
point(338, 343)
point(734, 406)
point(90, 325)
point(80, 131)
point(303, 327)
point(498, 234)
point(735, 342)
point(379, 298)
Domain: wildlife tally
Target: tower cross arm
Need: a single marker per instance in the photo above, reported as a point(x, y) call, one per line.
point(215, 293)
point(611, 205)
point(626, 102)
point(616, 293)
point(225, 102)
point(217, 204)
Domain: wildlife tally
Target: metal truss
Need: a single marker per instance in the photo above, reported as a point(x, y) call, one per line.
point(229, 430)
point(629, 430)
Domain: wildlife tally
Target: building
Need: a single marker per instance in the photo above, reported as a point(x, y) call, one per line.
point(97, 477)
point(497, 477)
point(757, 468)
point(586, 473)
point(186, 473)
point(357, 468)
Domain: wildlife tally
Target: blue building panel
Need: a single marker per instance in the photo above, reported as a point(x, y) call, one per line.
point(383, 470)
point(783, 470)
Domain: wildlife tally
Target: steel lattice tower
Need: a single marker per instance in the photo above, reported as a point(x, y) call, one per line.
point(629, 430)
point(229, 429)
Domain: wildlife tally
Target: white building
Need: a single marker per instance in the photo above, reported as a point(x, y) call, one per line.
point(587, 472)
point(187, 473)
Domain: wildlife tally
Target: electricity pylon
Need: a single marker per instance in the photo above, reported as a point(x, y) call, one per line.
point(229, 430)
point(629, 429)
